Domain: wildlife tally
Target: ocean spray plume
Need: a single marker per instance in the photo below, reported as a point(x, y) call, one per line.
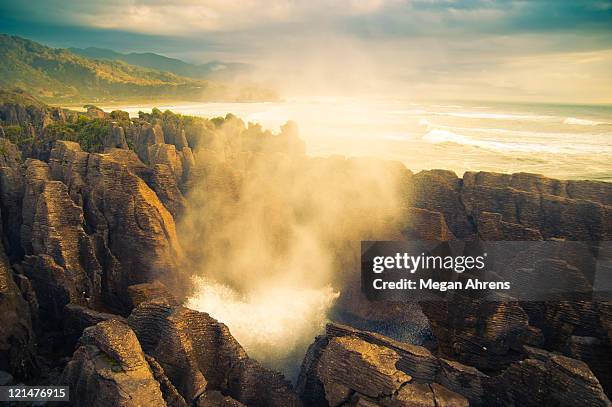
point(271, 230)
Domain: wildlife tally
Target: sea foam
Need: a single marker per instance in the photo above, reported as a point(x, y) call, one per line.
point(582, 122)
point(275, 325)
point(445, 136)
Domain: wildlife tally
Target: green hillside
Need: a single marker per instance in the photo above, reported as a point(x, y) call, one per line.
point(60, 76)
point(211, 70)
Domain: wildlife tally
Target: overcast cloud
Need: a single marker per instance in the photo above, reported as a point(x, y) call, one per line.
point(551, 50)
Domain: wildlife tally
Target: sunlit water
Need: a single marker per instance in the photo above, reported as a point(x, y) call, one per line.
point(561, 141)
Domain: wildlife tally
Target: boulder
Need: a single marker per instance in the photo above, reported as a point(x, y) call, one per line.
point(77, 318)
point(349, 364)
point(546, 378)
point(109, 369)
point(198, 354)
point(352, 367)
point(144, 292)
point(171, 395)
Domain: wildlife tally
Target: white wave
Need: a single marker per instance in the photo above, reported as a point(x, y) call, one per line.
point(410, 112)
point(582, 122)
point(448, 106)
point(395, 136)
point(445, 136)
point(270, 324)
point(493, 116)
point(508, 132)
point(425, 122)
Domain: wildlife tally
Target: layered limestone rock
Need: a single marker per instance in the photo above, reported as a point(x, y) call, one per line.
point(109, 360)
point(541, 203)
point(109, 368)
point(116, 138)
point(440, 191)
point(174, 133)
point(422, 224)
point(86, 234)
point(514, 207)
point(180, 162)
point(165, 185)
point(349, 364)
point(567, 382)
point(491, 227)
point(352, 367)
point(77, 318)
point(171, 395)
point(144, 136)
point(553, 216)
point(166, 154)
point(11, 196)
point(144, 292)
point(29, 112)
point(594, 191)
point(577, 210)
point(60, 257)
point(16, 335)
point(199, 356)
point(134, 234)
point(594, 352)
point(36, 175)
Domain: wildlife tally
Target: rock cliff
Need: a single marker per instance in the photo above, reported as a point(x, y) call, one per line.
point(93, 273)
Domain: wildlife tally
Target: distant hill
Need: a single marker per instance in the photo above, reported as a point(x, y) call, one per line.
point(61, 76)
point(212, 70)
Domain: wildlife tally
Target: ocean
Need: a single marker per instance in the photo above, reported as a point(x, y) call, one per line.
point(560, 141)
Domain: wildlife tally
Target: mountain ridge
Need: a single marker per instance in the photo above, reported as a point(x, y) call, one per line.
point(57, 75)
point(214, 69)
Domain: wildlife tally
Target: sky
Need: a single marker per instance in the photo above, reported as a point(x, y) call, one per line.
point(543, 50)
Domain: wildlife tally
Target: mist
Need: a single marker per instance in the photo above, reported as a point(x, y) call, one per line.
point(523, 67)
point(272, 235)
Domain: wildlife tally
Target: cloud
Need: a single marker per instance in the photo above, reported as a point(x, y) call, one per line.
point(334, 45)
point(380, 17)
point(188, 17)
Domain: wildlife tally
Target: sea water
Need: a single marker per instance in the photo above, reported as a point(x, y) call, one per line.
point(560, 141)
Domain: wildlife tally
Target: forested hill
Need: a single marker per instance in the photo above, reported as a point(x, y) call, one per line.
point(58, 75)
point(211, 70)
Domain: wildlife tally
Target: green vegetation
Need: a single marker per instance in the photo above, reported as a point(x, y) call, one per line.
point(20, 97)
point(60, 76)
point(88, 132)
point(34, 127)
point(91, 132)
point(28, 134)
point(212, 70)
point(17, 135)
